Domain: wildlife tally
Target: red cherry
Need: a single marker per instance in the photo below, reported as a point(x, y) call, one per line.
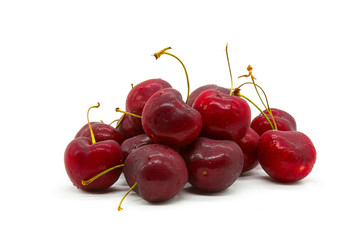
point(248, 145)
point(224, 116)
point(158, 171)
point(128, 128)
point(168, 120)
point(102, 132)
point(135, 142)
point(284, 121)
point(199, 90)
point(83, 160)
point(139, 95)
point(286, 156)
point(213, 165)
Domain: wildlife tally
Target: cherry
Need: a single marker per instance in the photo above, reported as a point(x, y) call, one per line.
point(224, 116)
point(156, 172)
point(102, 132)
point(248, 145)
point(167, 119)
point(199, 90)
point(84, 158)
point(127, 127)
point(213, 165)
point(286, 156)
point(139, 95)
point(284, 121)
point(135, 142)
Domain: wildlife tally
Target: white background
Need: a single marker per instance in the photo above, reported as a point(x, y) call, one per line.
point(57, 58)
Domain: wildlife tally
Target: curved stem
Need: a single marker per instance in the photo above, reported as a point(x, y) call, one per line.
point(268, 107)
point(133, 186)
point(227, 57)
point(158, 54)
point(131, 114)
point(87, 182)
point(272, 127)
point(266, 99)
point(187, 76)
point(91, 131)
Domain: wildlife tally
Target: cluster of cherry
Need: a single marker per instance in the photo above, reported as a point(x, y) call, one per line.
point(162, 142)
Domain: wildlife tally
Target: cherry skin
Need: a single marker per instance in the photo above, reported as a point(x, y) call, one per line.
point(199, 90)
point(213, 165)
point(102, 132)
point(284, 121)
point(135, 142)
point(83, 160)
point(168, 120)
point(286, 156)
point(248, 145)
point(139, 95)
point(128, 128)
point(224, 116)
point(160, 172)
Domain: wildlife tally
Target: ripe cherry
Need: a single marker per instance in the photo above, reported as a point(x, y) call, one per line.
point(85, 158)
point(156, 172)
point(286, 156)
point(139, 95)
point(102, 132)
point(135, 142)
point(199, 90)
point(127, 127)
point(213, 165)
point(284, 121)
point(167, 119)
point(248, 145)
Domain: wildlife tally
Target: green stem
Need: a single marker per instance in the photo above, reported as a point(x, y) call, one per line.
point(91, 131)
point(187, 76)
point(120, 120)
point(268, 108)
point(227, 57)
point(87, 182)
point(133, 186)
point(131, 114)
point(272, 127)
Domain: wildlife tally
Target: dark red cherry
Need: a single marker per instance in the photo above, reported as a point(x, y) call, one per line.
point(199, 90)
point(286, 156)
point(102, 132)
point(224, 116)
point(135, 142)
point(213, 165)
point(284, 121)
point(248, 145)
point(128, 128)
point(139, 95)
point(83, 160)
point(159, 171)
point(168, 120)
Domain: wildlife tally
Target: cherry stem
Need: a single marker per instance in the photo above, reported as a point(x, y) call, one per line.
point(266, 99)
point(133, 186)
point(158, 54)
point(240, 95)
point(131, 114)
point(87, 182)
point(227, 57)
point(249, 68)
point(91, 131)
point(120, 120)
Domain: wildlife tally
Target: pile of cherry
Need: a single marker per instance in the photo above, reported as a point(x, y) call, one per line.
point(162, 142)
